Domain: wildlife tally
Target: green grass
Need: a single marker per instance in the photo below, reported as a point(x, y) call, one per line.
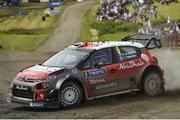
point(116, 31)
point(22, 29)
point(115, 36)
point(173, 10)
point(88, 19)
point(15, 42)
point(107, 30)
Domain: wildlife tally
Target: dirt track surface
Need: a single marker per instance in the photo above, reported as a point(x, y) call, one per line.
point(130, 105)
point(68, 31)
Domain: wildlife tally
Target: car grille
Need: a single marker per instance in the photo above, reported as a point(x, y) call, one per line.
point(23, 93)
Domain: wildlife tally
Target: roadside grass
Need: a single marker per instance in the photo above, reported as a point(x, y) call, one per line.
point(22, 28)
point(21, 42)
point(89, 18)
point(115, 36)
point(106, 30)
point(117, 30)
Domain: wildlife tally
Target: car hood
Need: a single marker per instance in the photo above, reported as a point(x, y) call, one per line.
point(39, 71)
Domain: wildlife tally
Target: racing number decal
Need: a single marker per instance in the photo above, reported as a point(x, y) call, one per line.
point(118, 50)
point(85, 75)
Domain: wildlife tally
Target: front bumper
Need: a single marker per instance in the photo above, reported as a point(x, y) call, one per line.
point(31, 103)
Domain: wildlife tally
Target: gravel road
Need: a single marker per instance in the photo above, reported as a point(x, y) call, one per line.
point(68, 31)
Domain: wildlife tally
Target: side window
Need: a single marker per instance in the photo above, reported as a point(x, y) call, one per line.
point(104, 55)
point(87, 64)
point(125, 53)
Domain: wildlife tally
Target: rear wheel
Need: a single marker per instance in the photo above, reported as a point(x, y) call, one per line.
point(70, 95)
point(153, 84)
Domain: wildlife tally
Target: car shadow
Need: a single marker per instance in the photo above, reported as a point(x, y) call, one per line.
point(116, 99)
point(96, 102)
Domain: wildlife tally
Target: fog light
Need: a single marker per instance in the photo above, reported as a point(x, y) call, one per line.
point(40, 96)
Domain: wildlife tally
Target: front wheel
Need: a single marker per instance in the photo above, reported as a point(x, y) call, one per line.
point(153, 84)
point(70, 95)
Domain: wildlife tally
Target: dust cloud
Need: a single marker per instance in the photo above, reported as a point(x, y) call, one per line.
point(169, 60)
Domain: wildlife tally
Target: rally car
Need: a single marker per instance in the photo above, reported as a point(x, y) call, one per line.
point(86, 71)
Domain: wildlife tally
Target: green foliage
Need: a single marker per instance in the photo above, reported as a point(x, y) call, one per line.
point(115, 36)
point(111, 30)
point(113, 27)
point(158, 22)
point(22, 28)
point(108, 30)
point(2, 1)
point(21, 42)
point(105, 27)
point(25, 31)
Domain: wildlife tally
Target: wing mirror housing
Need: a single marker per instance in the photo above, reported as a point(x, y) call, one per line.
point(100, 64)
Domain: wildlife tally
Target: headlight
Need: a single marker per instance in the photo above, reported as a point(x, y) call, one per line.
point(50, 78)
point(42, 86)
point(18, 78)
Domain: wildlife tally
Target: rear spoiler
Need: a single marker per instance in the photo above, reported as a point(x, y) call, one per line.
point(149, 41)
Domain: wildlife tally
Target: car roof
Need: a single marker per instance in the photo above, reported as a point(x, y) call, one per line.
point(101, 45)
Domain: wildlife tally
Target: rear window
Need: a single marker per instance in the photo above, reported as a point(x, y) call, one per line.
point(126, 53)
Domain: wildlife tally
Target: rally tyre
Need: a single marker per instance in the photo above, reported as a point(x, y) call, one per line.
point(153, 84)
point(70, 95)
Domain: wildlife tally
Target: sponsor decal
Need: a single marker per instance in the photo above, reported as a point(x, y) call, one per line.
point(55, 11)
point(110, 85)
point(54, 4)
point(145, 57)
point(131, 64)
point(97, 81)
point(120, 83)
point(94, 73)
point(36, 104)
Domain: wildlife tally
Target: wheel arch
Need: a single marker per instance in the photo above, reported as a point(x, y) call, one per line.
point(148, 69)
point(75, 80)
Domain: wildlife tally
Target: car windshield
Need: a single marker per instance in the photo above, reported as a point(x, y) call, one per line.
point(66, 58)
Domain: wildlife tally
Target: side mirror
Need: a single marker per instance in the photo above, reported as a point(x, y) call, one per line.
point(100, 64)
point(154, 43)
point(157, 43)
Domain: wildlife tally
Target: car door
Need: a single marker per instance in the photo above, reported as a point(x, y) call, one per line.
point(102, 79)
point(130, 64)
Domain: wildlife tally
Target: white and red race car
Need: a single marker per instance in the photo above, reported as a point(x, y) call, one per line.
point(85, 71)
